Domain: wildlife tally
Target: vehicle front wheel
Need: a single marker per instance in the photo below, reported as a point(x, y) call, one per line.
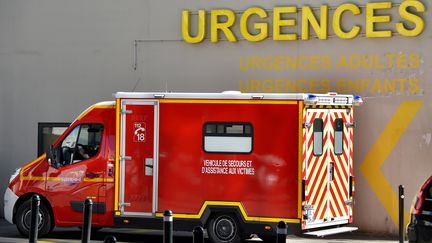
point(224, 229)
point(23, 219)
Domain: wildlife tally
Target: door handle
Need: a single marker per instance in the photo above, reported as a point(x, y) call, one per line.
point(92, 175)
point(149, 166)
point(331, 171)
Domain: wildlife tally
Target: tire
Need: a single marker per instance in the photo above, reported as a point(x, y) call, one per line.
point(224, 229)
point(23, 217)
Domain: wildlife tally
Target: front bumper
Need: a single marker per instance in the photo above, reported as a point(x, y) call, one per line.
point(9, 202)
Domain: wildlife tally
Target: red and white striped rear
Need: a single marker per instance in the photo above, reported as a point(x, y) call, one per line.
point(327, 166)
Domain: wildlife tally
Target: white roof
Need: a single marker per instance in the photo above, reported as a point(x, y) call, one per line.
point(324, 99)
point(222, 95)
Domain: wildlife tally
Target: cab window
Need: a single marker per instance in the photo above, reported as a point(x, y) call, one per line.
point(81, 144)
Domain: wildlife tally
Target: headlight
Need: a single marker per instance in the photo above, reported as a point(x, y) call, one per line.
point(14, 175)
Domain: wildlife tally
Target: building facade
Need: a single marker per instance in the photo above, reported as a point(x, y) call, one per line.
point(59, 57)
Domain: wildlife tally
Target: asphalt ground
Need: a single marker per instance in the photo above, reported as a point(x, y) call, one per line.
point(9, 234)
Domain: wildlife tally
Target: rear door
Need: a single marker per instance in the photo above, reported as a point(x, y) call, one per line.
point(340, 163)
point(138, 157)
point(327, 166)
point(316, 165)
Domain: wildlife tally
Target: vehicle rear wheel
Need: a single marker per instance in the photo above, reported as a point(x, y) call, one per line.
point(224, 229)
point(23, 219)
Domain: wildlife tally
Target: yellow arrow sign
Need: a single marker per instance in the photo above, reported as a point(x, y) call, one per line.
point(378, 154)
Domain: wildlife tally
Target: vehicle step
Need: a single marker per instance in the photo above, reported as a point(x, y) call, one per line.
point(322, 233)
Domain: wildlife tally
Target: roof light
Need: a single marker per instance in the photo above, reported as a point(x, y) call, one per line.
point(332, 93)
point(358, 101)
point(159, 96)
point(257, 97)
point(341, 100)
point(311, 99)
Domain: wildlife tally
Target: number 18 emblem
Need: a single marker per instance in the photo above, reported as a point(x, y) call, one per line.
point(140, 132)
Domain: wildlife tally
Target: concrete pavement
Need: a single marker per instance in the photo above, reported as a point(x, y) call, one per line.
point(9, 234)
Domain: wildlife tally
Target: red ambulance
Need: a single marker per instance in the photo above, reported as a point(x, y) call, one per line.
point(234, 163)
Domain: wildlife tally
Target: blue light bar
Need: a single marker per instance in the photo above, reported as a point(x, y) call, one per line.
point(357, 100)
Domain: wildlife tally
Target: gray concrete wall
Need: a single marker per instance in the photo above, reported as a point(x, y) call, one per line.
point(58, 57)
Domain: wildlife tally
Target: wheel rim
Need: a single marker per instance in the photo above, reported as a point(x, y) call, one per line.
point(225, 228)
point(26, 219)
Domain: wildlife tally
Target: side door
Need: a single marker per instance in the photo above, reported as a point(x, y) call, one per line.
point(80, 174)
point(340, 163)
point(138, 157)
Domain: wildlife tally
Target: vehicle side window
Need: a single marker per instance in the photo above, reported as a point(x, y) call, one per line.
point(82, 143)
point(68, 146)
point(227, 137)
point(318, 137)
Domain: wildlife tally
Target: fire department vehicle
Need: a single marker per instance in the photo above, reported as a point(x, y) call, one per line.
point(234, 163)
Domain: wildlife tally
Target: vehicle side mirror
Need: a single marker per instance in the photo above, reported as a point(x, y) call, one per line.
point(52, 157)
